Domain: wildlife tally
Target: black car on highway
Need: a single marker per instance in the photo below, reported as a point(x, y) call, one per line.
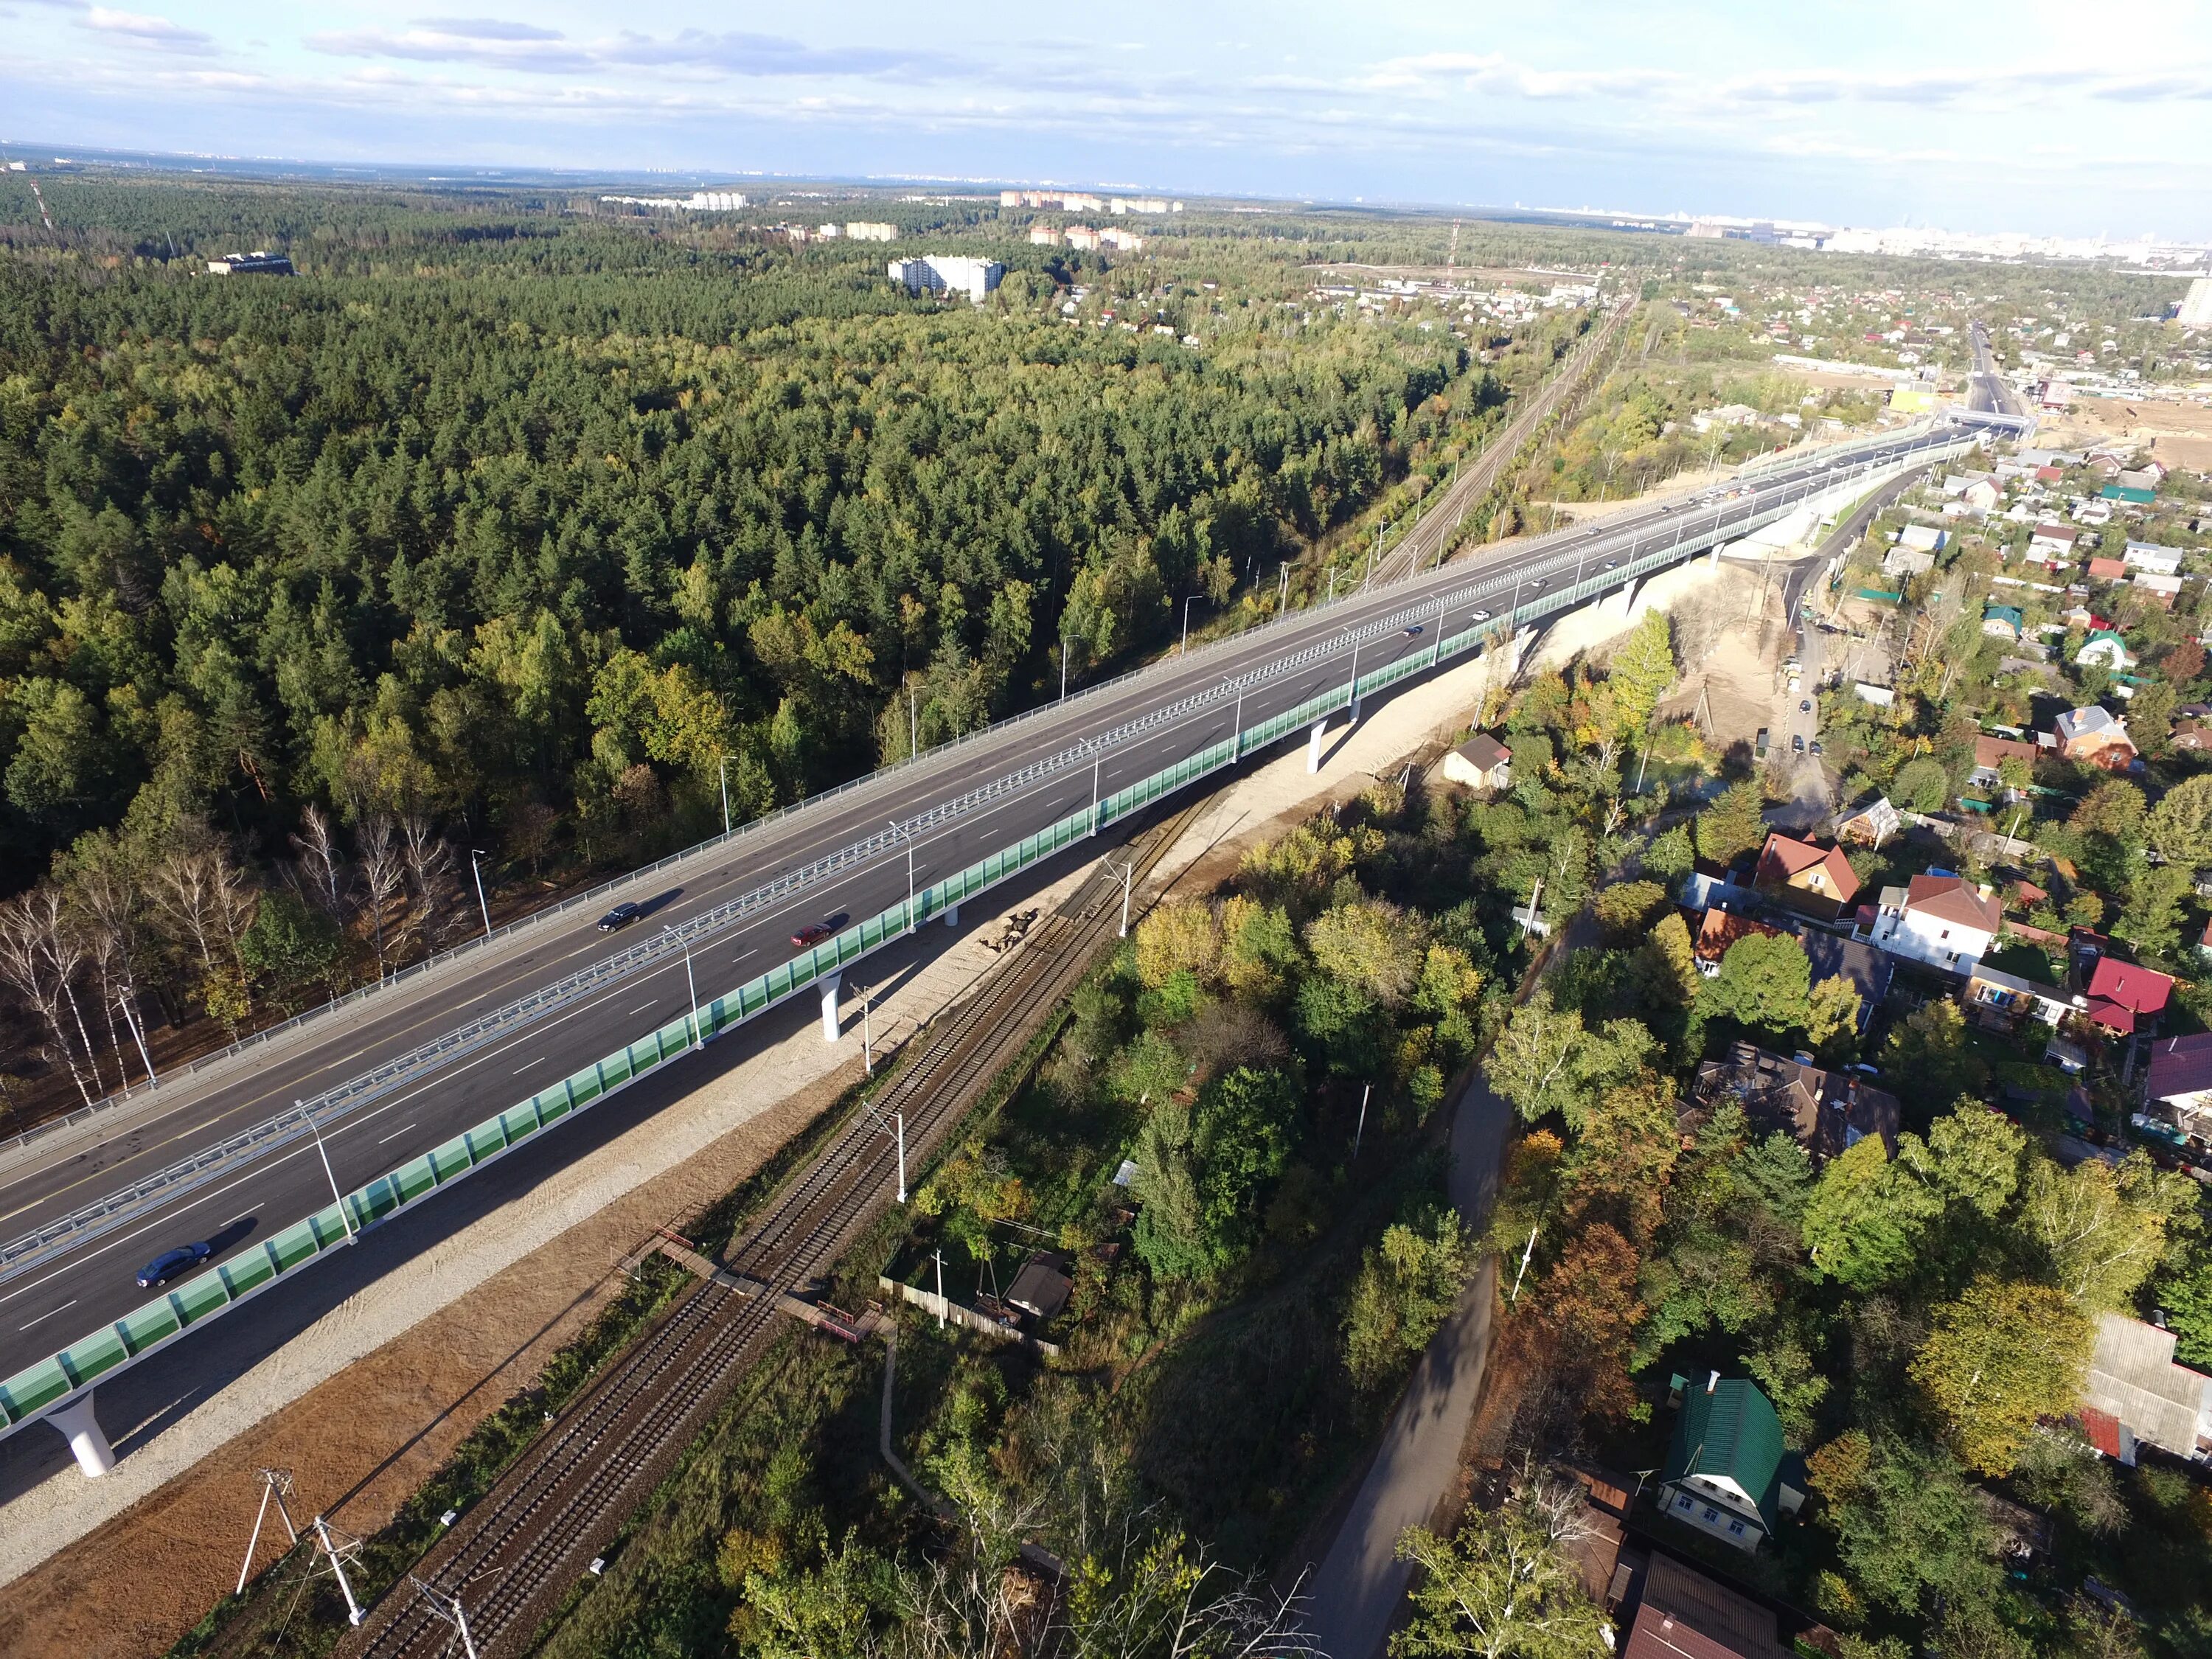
point(621, 916)
point(170, 1263)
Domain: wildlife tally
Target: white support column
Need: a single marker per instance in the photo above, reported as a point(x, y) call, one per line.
point(829, 1006)
point(952, 916)
point(1313, 746)
point(81, 1429)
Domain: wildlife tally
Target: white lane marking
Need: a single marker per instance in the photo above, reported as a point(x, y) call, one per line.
point(643, 1007)
point(395, 1134)
point(742, 955)
point(50, 1312)
point(525, 1065)
point(241, 1216)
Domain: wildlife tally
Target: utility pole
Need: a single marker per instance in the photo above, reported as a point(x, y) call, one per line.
point(477, 870)
point(1360, 1133)
point(1523, 1268)
point(940, 1289)
point(1128, 878)
point(867, 1038)
point(275, 1484)
point(1283, 591)
point(1063, 666)
point(446, 1609)
point(345, 1550)
point(726, 794)
point(913, 723)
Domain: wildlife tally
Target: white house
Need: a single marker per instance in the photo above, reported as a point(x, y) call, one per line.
point(1939, 921)
point(2150, 556)
point(2107, 648)
point(2052, 541)
point(1921, 538)
point(1982, 495)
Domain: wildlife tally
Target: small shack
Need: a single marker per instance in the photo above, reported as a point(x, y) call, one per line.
point(1480, 762)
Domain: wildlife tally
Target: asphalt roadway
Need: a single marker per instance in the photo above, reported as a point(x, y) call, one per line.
point(55, 1303)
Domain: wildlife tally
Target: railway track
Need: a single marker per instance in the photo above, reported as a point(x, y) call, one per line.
point(512, 1559)
point(1429, 535)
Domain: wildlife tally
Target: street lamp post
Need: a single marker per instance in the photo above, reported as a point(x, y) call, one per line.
point(1184, 649)
point(907, 834)
point(475, 871)
point(1236, 725)
point(329, 1174)
point(867, 1034)
point(726, 794)
point(691, 985)
point(1129, 876)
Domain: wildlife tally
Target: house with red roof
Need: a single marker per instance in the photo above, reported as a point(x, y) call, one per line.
point(1990, 753)
point(1939, 921)
point(1817, 880)
point(1719, 929)
point(2179, 1078)
point(2125, 998)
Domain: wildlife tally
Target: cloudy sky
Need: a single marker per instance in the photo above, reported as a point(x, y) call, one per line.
point(1975, 114)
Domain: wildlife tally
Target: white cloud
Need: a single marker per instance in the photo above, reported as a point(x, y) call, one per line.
point(498, 44)
point(141, 29)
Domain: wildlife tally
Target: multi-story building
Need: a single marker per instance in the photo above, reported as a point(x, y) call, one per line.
point(948, 273)
point(862, 230)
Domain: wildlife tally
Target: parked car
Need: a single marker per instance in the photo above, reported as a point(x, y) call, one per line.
point(1806, 706)
point(170, 1263)
point(1816, 745)
point(1797, 743)
point(621, 916)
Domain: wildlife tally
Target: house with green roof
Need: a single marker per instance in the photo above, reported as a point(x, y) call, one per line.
point(1725, 1468)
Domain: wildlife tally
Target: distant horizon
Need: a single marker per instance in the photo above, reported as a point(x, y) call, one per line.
point(48, 153)
point(1881, 115)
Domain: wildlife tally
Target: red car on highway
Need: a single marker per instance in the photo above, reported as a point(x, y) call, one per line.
point(815, 932)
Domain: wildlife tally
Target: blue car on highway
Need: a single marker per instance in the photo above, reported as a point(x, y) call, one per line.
point(167, 1265)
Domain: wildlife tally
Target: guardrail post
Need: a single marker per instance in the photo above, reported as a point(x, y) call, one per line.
point(81, 1429)
point(829, 1006)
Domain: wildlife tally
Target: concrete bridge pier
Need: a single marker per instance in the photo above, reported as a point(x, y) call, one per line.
point(952, 916)
point(1313, 746)
point(830, 1006)
point(81, 1429)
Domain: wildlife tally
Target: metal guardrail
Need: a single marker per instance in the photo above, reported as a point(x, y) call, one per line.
point(23, 1254)
point(40, 1387)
